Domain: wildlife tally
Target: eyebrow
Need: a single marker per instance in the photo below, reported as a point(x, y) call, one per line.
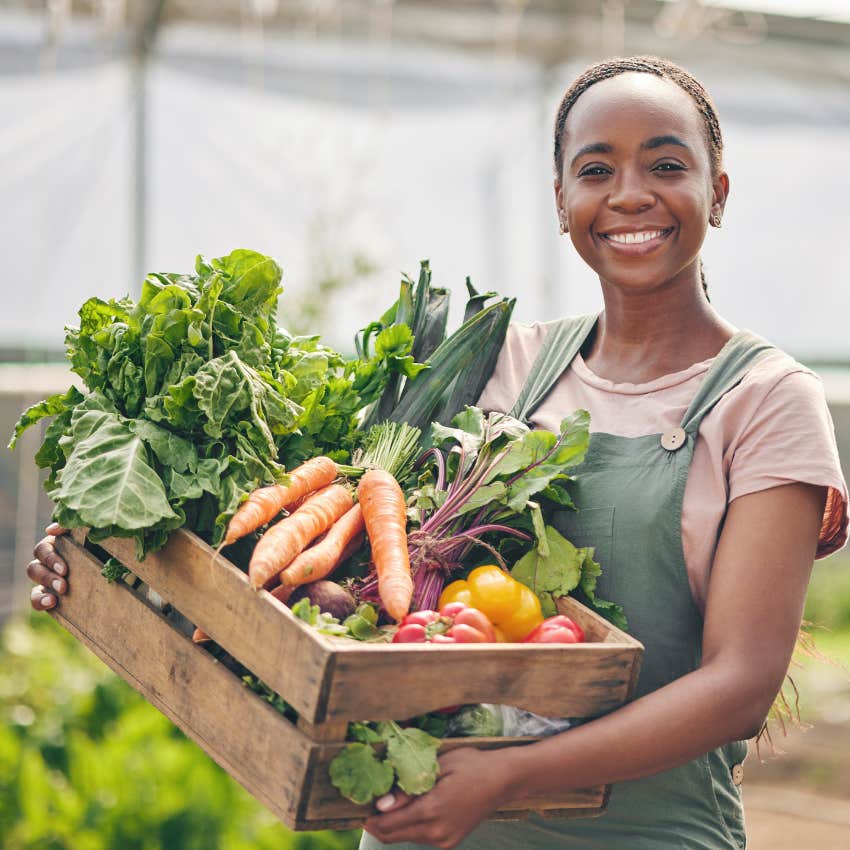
point(649, 144)
point(661, 141)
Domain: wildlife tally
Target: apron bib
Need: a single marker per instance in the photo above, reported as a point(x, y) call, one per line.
point(630, 491)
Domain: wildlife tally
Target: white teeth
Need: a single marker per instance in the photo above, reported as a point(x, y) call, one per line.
point(634, 238)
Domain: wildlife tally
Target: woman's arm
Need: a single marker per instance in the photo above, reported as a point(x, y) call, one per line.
point(753, 612)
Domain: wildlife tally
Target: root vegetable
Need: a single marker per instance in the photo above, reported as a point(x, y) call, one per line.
point(385, 516)
point(265, 503)
point(318, 561)
point(286, 539)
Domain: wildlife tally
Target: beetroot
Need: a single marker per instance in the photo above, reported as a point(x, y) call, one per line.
point(328, 595)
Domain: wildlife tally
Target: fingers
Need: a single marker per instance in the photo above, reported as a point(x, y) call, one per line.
point(55, 529)
point(392, 801)
point(41, 600)
point(43, 575)
point(46, 553)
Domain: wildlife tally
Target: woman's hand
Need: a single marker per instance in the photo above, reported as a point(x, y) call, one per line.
point(472, 785)
point(48, 570)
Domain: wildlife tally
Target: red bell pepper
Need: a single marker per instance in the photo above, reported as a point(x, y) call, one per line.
point(557, 629)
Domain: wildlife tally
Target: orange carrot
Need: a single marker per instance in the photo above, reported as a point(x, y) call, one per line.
point(199, 636)
point(319, 560)
point(384, 513)
point(266, 502)
point(289, 537)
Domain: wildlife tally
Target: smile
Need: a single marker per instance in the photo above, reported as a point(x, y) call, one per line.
point(638, 241)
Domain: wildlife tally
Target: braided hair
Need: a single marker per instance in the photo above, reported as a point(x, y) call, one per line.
point(646, 65)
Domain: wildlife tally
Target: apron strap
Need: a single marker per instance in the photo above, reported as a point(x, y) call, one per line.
point(733, 361)
point(559, 347)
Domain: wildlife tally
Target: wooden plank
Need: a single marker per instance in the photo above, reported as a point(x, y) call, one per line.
point(256, 745)
point(325, 805)
point(578, 680)
point(253, 626)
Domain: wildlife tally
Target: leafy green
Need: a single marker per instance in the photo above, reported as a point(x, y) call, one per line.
point(359, 775)
point(553, 574)
point(475, 720)
point(320, 620)
point(559, 568)
point(192, 398)
point(113, 570)
point(612, 612)
point(410, 762)
point(412, 753)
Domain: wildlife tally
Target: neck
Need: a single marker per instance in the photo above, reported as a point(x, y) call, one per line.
point(642, 336)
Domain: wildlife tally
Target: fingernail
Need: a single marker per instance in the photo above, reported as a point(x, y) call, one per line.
point(385, 802)
point(45, 601)
point(60, 568)
point(57, 585)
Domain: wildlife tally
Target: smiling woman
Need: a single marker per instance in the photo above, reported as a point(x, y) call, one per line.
point(712, 474)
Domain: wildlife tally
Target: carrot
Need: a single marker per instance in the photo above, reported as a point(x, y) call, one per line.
point(319, 560)
point(385, 516)
point(287, 538)
point(200, 636)
point(264, 503)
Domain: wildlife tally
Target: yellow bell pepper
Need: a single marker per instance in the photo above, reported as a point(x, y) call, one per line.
point(511, 606)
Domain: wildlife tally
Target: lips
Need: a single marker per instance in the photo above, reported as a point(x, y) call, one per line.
point(635, 242)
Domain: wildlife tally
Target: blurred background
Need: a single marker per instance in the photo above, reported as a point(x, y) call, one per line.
point(350, 139)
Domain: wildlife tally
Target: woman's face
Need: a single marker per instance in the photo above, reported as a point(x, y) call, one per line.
point(636, 190)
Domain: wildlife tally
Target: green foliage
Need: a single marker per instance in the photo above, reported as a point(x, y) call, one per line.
point(87, 764)
point(828, 599)
point(361, 775)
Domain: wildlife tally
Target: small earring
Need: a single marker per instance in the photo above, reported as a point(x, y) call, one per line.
point(561, 226)
point(715, 220)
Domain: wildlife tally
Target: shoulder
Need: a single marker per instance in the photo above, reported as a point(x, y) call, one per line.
point(779, 430)
point(521, 347)
point(779, 373)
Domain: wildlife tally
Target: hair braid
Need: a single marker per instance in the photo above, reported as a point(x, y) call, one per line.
point(646, 65)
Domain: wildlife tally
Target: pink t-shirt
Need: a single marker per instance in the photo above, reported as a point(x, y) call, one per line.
point(773, 428)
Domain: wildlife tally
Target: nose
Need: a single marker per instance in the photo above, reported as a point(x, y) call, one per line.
point(630, 193)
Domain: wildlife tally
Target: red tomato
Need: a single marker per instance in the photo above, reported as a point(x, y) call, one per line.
point(452, 609)
point(421, 618)
point(410, 633)
point(463, 633)
point(475, 618)
point(557, 629)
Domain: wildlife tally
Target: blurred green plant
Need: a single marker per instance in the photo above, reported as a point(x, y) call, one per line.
point(828, 599)
point(87, 764)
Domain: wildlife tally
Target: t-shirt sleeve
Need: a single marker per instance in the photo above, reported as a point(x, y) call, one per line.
point(791, 438)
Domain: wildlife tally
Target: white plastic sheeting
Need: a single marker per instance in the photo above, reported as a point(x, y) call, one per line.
point(397, 155)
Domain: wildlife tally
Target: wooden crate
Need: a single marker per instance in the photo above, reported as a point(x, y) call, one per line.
point(327, 680)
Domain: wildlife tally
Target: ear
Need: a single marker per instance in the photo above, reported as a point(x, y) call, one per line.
point(559, 205)
point(719, 194)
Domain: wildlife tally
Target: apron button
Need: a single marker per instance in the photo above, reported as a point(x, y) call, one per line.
point(674, 439)
point(737, 773)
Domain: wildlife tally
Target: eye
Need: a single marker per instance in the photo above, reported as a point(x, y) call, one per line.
point(669, 167)
point(594, 170)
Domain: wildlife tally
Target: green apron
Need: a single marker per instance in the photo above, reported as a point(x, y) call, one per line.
point(629, 491)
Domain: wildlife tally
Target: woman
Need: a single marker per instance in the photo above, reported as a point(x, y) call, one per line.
point(711, 484)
